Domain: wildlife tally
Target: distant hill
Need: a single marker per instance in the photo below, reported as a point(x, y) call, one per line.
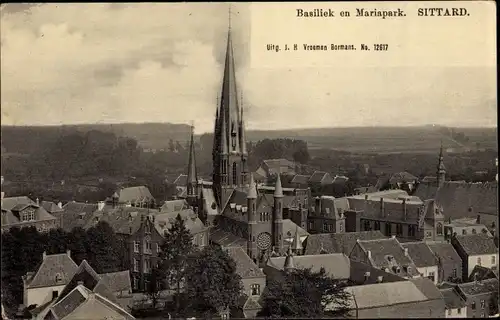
point(23, 140)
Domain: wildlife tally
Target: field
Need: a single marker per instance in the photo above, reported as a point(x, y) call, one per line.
point(360, 140)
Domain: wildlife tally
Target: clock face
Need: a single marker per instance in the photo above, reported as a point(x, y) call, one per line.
point(264, 241)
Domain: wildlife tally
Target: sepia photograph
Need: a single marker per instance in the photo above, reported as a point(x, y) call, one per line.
point(249, 160)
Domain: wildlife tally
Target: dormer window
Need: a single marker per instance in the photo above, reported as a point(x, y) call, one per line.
point(28, 214)
point(58, 278)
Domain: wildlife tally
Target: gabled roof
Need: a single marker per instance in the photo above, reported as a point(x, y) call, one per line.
point(320, 177)
point(337, 242)
point(402, 177)
point(245, 267)
point(76, 214)
point(54, 270)
point(10, 202)
point(445, 251)
point(174, 205)
point(337, 265)
point(388, 253)
point(134, 194)
point(51, 207)
point(452, 299)
point(427, 287)
point(117, 281)
point(421, 254)
point(123, 220)
point(385, 294)
point(226, 239)
point(478, 287)
point(462, 199)
point(14, 217)
point(482, 273)
point(163, 221)
point(300, 179)
point(476, 244)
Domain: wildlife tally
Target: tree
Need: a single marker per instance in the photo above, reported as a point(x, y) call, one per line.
point(303, 293)
point(213, 283)
point(104, 248)
point(57, 241)
point(154, 290)
point(77, 241)
point(175, 251)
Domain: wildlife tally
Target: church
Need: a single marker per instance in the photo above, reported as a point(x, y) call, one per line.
point(239, 212)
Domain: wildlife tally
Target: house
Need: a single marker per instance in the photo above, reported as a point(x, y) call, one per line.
point(320, 178)
point(327, 215)
point(454, 303)
point(481, 297)
point(49, 279)
point(403, 299)
point(253, 279)
point(449, 262)
point(77, 214)
point(424, 259)
point(475, 249)
point(362, 273)
point(482, 273)
point(394, 212)
point(322, 243)
point(89, 295)
point(23, 212)
point(385, 254)
point(336, 265)
point(51, 207)
point(465, 226)
point(272, 167)
point(138, 196)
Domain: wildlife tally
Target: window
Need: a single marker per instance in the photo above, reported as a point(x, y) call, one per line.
point(493, 260)
point(439, 229)
point(454, 273)
point(262, 216)
point(147, 247)
point(136, 265)
point(58, 277)
point(158, 248)
point(483, 303)
point(411, 230)
point(431, 276)
point(474, 231)
point(311, 225)
point(255, 289)
point(136, 283)
point(399, 229)
point(428, 234)
point(482, 315)
point(325, 226)
point(478, 261)
point(147, 265)
point(341, 227)
point(449, 312)
point(29, 214)
point(366, 225)
point(202, 240)
point(376, 225)
point(147, 228)
point(473, 305)
point(464, 232)
point(388, 231)
point(55, 294)
point(459, 310)
point(136, 246)
point(235, 180)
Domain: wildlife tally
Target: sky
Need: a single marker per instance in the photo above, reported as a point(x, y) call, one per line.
point(147, 62)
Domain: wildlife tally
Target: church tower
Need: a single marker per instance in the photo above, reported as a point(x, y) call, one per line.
point(252, 222)
point(441, 170)
point(278, 216)
point(192, 176)
point(229, 152)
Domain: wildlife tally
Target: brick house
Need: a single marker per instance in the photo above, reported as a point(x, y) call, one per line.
point(386, 254)
point(327, 215)
point(23, 212)
point(475, 249)
point(481, 297)
point(448, 260)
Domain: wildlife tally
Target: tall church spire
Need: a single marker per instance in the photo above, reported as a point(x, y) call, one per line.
point(192, 176)
point(441, 169)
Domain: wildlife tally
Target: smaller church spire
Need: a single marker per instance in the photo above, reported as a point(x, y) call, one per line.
point(278, 190)
point(192, 177)
point(252, 189)
point(441, 169)
point(289, 265)
point(297, 244)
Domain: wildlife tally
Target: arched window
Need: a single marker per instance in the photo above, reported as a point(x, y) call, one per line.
point(261, 216)
point(235, 178)
point(439, 229)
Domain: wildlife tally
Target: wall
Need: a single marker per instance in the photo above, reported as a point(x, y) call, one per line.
point(447, 270)
point(40, 296)
point(485, 262)
point(424, 309)
point(425, 271)
point(477, 299)
point(453, 313)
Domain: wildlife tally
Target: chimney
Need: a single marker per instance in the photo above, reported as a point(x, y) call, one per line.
point(59, 204)
point(68, 252)
point(406, 252)
point(369, 254)
point(100, 205)
point(318, 206)
point(37, 202)
point(478, 219)
point(393, 237)
point(80, 283)
point(380, 279)
point(382, 207)
point(44, 255)
point(366, 197)
point(367, 275)
point(404, 209)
